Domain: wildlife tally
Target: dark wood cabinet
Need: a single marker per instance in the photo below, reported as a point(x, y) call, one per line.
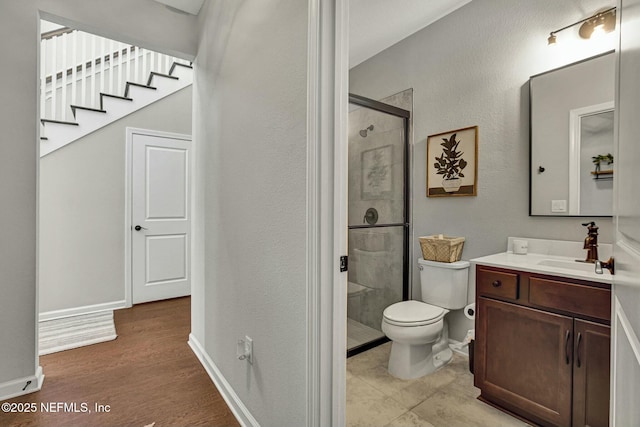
point(542, 347)
point(591, 374)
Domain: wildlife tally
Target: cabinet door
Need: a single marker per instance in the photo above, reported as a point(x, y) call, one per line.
point(591, 374)
point(523, 360)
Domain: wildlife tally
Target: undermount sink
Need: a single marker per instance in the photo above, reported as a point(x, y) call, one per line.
point(569, 265)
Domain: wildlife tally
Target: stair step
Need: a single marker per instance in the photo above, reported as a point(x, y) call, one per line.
point(102, 95)
point(153, 74)
point(43, 121)
point(177, 64)
point(129, 84)
point(79, 107)
point(60, 133)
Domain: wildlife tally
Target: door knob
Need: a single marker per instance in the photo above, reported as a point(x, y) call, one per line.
point(139, 227)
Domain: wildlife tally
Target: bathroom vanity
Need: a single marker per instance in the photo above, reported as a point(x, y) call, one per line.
point(543, 338)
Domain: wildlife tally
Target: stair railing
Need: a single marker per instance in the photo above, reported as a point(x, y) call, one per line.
point(75, 67)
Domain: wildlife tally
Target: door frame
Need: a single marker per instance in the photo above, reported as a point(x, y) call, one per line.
point(327, 130)
point(128, 203)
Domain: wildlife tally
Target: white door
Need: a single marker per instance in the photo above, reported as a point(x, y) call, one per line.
point(160, 220)
point(625, 410)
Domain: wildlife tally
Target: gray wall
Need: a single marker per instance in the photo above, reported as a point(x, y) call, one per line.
point(472, 68)
point(145, 21)
point(250, 121)
point(82, 196)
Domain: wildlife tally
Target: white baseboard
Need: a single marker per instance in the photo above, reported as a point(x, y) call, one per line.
point(86, 309)
point(238, 408)
point(22, 386)
point(75, 331)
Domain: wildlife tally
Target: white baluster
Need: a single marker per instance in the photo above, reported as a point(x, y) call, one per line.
point(144, 62)
point(114, 70)
point(111, 66)
point(83, 68)
point(152, 63)
point(94, 70)
point(165, 69)
point(121, 75)
point(43, 78)
point(54, 67)
point(102, 64)
point(127, 73)
point(63, 67)
point(74, 66)
point(135, 56)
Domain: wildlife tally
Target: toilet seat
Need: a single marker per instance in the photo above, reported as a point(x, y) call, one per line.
point(413, 313)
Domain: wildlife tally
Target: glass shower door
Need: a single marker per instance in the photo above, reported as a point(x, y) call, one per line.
point(378, 223)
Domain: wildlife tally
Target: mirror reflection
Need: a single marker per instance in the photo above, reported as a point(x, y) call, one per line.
point(591, 161)
point(572, 114)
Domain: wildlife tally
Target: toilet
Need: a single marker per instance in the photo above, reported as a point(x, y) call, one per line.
point(418, 329)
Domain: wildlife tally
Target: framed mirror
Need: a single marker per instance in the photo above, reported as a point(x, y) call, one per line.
point(572, 110)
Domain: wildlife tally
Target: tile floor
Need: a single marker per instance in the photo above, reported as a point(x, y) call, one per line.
point(446, 398)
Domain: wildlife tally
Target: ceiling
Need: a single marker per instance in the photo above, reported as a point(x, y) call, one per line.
point(378, 24)
point(189, 6)
point(374, 24)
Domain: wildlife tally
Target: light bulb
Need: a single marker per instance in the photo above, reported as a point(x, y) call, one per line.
point(598, 31)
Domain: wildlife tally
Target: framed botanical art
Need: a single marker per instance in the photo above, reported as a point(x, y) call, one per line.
point(452, 163)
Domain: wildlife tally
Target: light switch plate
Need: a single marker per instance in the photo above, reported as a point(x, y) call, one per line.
point(558, 206)
point(244, 349)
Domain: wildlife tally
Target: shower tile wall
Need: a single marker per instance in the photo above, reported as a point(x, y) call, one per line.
point(376, 169)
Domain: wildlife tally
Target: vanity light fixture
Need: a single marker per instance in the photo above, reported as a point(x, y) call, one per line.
point(601, 22)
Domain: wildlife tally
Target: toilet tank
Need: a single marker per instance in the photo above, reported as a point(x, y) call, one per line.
point(444, 283)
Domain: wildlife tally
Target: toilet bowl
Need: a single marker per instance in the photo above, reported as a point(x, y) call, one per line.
point(418, 329)
point(420, 343)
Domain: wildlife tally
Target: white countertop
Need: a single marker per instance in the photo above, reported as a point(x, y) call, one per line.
point(554, 265)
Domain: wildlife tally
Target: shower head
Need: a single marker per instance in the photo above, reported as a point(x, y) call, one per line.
point(363, 132)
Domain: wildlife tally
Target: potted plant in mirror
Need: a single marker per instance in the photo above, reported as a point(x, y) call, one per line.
point(600, 158)
point(450, 164)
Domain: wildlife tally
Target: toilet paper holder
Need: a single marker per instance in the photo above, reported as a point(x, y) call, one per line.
point(470, 311)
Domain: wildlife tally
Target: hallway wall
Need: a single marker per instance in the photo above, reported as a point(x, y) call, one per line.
point(250, 108)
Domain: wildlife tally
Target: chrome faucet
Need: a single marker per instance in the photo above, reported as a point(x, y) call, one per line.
point(591, 242)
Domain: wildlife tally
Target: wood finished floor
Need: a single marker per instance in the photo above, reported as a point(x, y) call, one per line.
point(147, 375)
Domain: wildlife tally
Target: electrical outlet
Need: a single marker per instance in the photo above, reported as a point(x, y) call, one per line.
point(558, 206)
point(244, 349)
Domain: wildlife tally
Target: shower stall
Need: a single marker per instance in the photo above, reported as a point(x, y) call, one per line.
point(378, 216)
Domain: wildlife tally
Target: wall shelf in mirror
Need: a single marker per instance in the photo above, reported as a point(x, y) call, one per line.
point(606, 174)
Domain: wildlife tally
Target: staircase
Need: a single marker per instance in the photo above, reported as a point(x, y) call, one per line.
point(88, 81)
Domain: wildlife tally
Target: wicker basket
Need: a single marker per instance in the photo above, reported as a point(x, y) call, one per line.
point(447, 249)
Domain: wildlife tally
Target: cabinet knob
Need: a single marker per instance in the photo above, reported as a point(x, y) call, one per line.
point(497, 284)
